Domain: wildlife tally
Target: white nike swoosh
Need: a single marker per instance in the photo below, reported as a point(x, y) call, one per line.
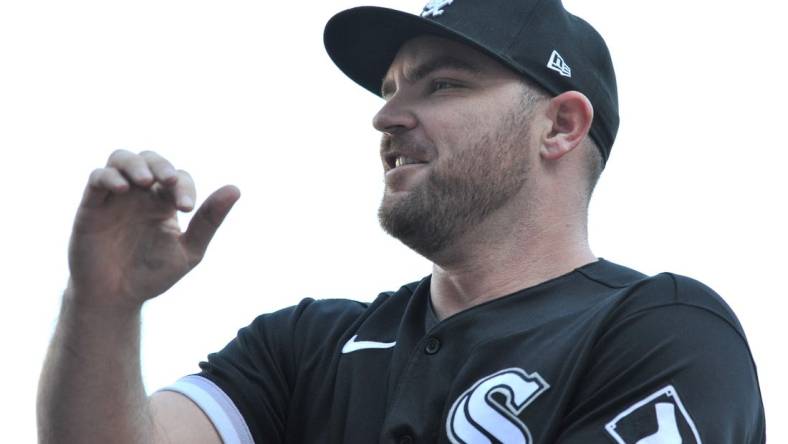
point(353, 345)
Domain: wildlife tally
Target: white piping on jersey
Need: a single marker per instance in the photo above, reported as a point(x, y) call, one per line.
point(219, 408)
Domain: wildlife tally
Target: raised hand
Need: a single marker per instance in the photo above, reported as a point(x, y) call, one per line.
point(126, 245)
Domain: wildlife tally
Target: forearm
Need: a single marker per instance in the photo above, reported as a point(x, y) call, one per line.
point(91, 387)
point(126, 247)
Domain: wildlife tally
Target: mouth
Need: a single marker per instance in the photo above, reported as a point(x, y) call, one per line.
point(394, 161)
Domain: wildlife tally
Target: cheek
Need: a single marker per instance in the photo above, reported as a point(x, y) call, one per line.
point(453, 132)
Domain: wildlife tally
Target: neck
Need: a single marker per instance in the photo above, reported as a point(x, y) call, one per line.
point(488, 266)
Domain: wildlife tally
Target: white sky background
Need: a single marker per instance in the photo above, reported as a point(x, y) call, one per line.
point(242, 92)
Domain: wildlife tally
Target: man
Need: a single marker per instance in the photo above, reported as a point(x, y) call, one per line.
point(498, 119)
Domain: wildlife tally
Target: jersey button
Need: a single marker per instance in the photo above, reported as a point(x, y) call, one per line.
point(433, 345)
point(405, 439)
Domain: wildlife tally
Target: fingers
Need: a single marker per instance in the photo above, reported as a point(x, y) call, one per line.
point(108, 179)
point(184, 191)
point(208, 219)
point(145, 170)
point(101, 183)
point(161, 169)
point(132, 166)
point(181, 191)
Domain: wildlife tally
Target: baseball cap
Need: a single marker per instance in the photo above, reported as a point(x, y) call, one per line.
point(538, 39)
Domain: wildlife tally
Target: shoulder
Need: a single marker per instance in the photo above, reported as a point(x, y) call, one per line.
point(626, 291)
point(333, 310)
point(343, 311)
point(668, 316)
point(669, 340)
point(669, 293)
point(314, 323)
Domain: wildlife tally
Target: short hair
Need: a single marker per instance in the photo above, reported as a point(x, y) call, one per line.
point(533, 93)
point(595, 163)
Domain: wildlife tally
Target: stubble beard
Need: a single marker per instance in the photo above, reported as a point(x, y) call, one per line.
point(462, 190)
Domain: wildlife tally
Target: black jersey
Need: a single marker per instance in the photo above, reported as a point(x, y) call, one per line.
point(603, 354)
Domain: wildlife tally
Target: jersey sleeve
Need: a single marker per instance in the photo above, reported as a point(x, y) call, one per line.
point(673, 367)
point(244, 389)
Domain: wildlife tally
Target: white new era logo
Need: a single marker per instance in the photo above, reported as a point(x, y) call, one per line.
point(556, 63)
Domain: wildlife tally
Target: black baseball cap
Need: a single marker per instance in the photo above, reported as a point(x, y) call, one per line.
point(538, 39)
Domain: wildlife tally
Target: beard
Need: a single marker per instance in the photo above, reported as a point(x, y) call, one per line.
point(462, 188)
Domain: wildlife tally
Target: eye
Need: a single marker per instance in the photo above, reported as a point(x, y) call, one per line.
point(440, 84)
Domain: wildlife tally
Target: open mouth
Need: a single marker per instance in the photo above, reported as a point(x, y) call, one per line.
point(396, 161)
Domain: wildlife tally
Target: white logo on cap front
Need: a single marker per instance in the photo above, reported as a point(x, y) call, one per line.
point(433, 7)
point(557, 63)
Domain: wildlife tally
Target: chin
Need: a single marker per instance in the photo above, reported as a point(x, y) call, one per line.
point(411, 219)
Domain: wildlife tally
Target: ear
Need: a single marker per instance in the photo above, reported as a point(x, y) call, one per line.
point(571, 115)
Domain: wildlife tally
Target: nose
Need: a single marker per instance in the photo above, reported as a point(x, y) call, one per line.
point(395, 117)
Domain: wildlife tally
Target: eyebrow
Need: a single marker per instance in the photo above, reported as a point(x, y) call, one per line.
point(431, 65)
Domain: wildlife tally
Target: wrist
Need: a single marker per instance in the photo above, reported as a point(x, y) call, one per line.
point(100, 305)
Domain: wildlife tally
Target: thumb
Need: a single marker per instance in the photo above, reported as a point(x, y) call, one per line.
point(207, 220)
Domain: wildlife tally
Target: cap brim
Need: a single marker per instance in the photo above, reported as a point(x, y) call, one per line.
point(363, 41)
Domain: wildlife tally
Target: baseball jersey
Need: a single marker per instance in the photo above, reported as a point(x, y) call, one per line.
point(603, 354)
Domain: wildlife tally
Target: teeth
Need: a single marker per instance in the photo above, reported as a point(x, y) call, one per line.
point(402, 160)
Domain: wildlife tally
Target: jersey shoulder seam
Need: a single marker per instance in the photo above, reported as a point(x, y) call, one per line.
point(691, 305)
point(608, 284)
